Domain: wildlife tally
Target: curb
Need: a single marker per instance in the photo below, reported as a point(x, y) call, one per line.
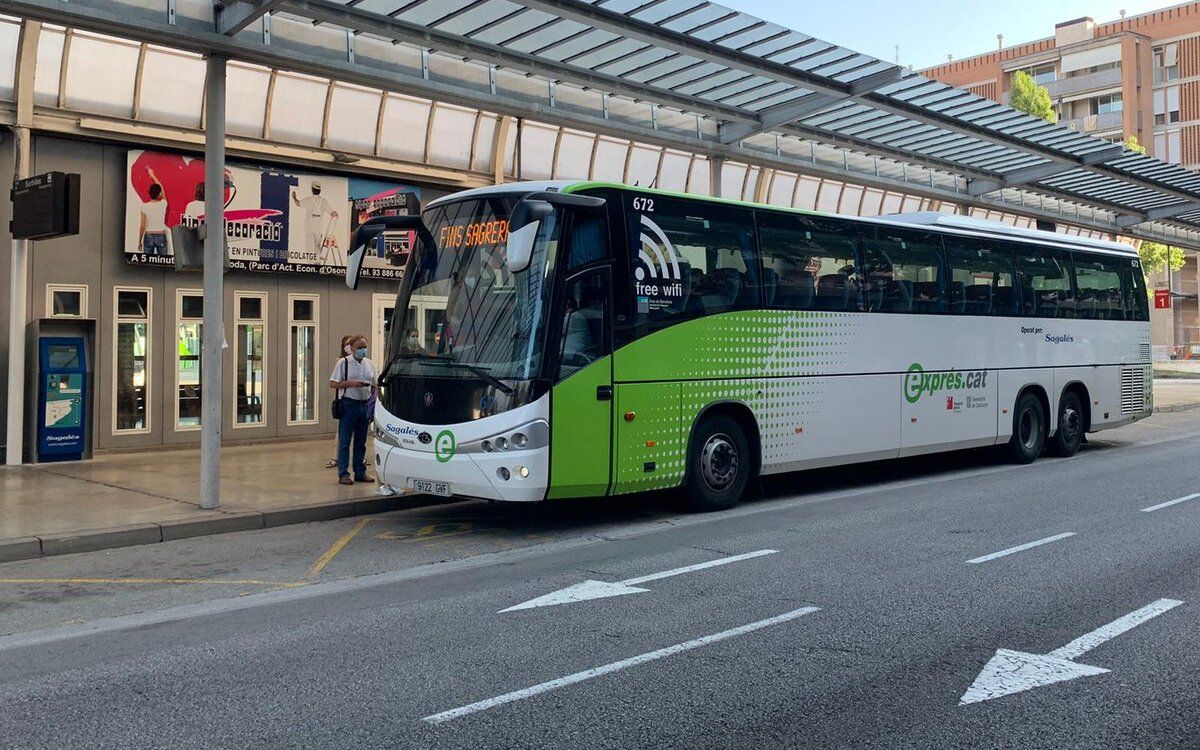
point(1175, 407)
point(92, 540)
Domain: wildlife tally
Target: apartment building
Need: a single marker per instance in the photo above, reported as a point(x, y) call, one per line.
point(1138, 75)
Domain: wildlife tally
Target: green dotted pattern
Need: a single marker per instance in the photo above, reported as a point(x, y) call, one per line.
point(771, 360)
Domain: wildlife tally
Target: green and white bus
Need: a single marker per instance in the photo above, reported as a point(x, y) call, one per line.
point(567, 339)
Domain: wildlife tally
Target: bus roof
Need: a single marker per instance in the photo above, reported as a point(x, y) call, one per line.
point(945, 223)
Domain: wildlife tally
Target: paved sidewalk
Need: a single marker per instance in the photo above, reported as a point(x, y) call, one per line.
point(140, 498)
point(1171, 394)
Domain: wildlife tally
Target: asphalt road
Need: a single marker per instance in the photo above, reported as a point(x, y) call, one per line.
point(876, 598)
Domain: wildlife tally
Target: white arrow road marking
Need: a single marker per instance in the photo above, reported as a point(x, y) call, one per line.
point(1010, 672)
point(615, 666)
point(1169, 503)
point(582, 592)
point(1019, 548)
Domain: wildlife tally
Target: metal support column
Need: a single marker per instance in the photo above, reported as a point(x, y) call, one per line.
point(211, 389)
point(18, 296)
point(716, 165)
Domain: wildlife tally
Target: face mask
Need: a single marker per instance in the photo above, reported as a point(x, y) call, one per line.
point(360, 353)
point(413, 342)
point(348, 349)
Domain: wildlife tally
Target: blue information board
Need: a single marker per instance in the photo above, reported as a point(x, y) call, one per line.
point(62, 398)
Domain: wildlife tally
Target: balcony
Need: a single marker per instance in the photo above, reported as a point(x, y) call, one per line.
point(1095, 123)
point(1102, 79)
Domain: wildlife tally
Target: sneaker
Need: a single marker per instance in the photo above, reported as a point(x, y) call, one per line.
point(345, 480)
point(365, 478)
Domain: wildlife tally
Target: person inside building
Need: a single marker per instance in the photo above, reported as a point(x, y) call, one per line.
point(353, 380)
point(152, 233)
point(412, 341)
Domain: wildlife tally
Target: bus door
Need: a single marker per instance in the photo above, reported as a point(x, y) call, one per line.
point(582, 396)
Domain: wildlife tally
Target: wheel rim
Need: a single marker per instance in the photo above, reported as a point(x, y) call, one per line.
point(719, 462)
point(1028, 429)
point(1071, 424)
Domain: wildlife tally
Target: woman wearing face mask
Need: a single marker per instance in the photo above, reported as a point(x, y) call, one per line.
point(346, 351)
point(353, 381)
point(412, 341)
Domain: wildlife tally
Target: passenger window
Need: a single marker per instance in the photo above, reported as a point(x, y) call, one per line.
point(582, 338)
point(1098, 280)
point(588, 242)
point(809, 263)
point(1134, 283)
point(981, 277)
point(902, 271)
point(692, 259)
point(1045, 282)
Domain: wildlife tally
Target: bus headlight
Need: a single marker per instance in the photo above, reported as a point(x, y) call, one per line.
point(520, 440)
point(502, 443)
point(486, 445)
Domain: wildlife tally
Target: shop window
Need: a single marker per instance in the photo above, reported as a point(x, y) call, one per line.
point(131, 361)
point(250, 380)
point(188, 340)
point(302, 359)
point(66, 300)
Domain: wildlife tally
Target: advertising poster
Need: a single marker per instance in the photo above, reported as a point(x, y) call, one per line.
point(275, 221)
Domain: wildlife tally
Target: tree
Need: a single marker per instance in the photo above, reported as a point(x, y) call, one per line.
point(1156, 257)
point(1029, 97)
point(1131, 143)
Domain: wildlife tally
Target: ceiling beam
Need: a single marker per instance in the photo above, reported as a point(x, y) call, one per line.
point(1039, 172)
point(233, 16)
point(1157, 214)
point(649, 33)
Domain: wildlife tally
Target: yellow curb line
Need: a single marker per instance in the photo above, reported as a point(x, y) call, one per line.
point(335, 548)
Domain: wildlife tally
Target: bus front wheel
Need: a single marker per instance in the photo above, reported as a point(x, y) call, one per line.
point(718, 465)
point(1029, 430)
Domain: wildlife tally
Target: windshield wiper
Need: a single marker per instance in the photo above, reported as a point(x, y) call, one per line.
point(478, 372)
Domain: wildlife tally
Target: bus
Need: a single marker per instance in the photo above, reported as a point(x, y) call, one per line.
point(569, 339)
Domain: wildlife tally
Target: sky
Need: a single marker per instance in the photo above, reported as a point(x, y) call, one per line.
point(927, 30)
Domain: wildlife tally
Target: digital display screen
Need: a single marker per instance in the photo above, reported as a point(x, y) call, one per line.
point(62, 356)
point(461, 236)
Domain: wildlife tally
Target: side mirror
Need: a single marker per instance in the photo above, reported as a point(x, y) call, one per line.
point(523, 228)
point(366, 235)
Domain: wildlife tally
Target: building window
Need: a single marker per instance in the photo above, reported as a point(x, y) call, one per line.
point(66, 300)
point(250, 381)
point(302, 358)
point(1093, 69)
point(131, 361)
point(1108, 103)
point(189, 329)
point(1166, 105)
point(1168, 147)
point(1041, 74)
point(1166, 62)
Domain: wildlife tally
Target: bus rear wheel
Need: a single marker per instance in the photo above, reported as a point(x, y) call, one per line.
point(1029, 430)
point(1069, 435)
point(718, 465)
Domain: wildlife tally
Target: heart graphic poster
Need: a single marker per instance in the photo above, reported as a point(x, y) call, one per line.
point(275, 221)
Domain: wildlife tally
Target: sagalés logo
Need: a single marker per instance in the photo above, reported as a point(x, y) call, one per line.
point(919, 383)
point(444, 446)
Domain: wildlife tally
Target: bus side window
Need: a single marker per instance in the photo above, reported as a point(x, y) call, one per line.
point(689, 259)
point(902, 271)
point(587, 241)
point(1098, 279)
point(981, 277)
point(1045, 281)
point(809, 263)
point(582, 338)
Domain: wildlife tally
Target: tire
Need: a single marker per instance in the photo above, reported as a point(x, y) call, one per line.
point(1029, 430)
point(718, 467)
point(1069, 436)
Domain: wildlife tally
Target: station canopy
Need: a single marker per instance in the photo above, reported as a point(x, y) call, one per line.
point(689, 76)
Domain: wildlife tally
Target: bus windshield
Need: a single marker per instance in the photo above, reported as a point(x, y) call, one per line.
point(461, 313)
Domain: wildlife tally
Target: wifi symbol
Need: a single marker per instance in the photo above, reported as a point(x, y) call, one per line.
point(656, 254)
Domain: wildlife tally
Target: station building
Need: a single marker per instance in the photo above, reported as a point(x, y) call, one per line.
point(308, 158)
point(1134, 76)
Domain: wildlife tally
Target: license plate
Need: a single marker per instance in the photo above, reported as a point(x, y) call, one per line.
point(427, 487)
